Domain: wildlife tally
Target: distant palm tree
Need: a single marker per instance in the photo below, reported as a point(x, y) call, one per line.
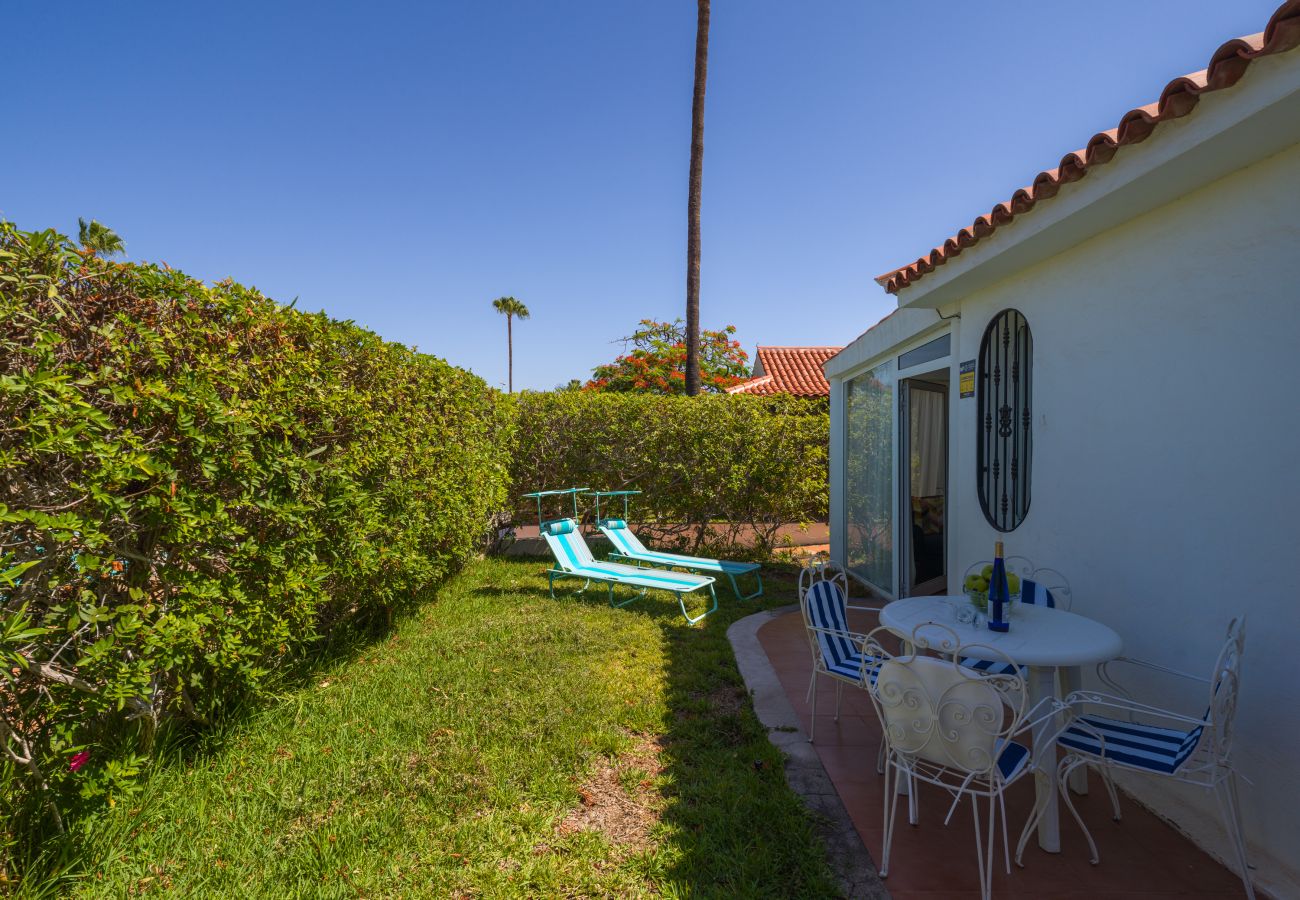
point(99, 238)
point(512, 309)
point(693, 201)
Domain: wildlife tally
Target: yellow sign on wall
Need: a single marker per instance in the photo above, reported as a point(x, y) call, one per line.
point(967, 379)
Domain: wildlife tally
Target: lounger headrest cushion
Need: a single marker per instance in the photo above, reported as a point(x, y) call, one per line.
point(615, 523)
point(561, 526)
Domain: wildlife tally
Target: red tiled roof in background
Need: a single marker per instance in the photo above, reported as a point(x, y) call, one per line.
point(1179, 98)
point(789, 370)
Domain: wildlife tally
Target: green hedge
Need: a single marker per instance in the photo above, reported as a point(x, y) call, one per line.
point(721, 472)
point(195, 483)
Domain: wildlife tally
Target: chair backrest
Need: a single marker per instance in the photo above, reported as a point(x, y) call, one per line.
point(933, 708)
point(823, 597)
point(823, 570)
point(1224, 684)
point(1056, 585)
point(1036, 594)
point(622, 537)
point(566, 543)
point(1020, 566)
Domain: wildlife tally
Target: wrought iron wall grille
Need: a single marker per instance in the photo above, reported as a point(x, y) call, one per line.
point(1005, 446)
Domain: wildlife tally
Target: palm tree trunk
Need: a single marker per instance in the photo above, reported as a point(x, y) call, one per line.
point(510, 356)
point(693, 202)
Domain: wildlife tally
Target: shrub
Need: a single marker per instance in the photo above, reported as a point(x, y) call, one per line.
point(657, 363)
point(710, 467)
point(195, 484)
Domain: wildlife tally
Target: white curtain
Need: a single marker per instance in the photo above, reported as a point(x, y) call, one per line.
point(928, 445)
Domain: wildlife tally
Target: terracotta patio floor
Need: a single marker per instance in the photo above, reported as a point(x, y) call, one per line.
point(1141, 856)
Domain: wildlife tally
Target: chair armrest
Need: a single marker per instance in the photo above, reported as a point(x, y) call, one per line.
point(1106, 678)
point(874, 609)
point(859, 640)
point(1128, 704)
point(1046, 710)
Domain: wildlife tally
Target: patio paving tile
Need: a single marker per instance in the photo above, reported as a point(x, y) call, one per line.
point(1141, 856)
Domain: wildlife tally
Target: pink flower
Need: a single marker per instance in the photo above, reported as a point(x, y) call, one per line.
point(78, 760)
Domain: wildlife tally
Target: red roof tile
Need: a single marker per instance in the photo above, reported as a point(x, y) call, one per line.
point(789, 370)
point(1179, 98)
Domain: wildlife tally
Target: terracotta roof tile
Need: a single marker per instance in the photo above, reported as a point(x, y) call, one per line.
point(789, 370)
point(1179, 97)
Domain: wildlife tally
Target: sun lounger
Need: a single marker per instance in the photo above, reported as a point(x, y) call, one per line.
point(573, 559)
point(627, 546)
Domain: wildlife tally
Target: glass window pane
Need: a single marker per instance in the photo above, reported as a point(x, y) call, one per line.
point(936, 349)
point(869, 476)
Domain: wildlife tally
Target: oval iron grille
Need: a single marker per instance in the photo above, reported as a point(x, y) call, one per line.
point(1005, 444)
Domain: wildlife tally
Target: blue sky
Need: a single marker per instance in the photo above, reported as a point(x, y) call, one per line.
point(401, 164)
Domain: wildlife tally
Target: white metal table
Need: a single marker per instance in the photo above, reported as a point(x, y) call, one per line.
point(1043, 639)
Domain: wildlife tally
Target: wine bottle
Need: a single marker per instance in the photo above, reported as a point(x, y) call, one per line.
point(999, 594)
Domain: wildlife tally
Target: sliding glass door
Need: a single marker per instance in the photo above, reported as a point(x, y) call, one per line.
point(923, 477)
point(869, 476)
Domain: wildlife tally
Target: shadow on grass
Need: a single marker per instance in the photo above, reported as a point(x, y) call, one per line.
point(737, 827)
point(46, 860)
point(728, 825)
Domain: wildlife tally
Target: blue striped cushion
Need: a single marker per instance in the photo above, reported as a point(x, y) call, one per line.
point(560, 526)
point(827, 609)
point(1012, 759)
point(1133, 744)
point(1035, 594)
point(990, 666)
point(851, 667)
point(613, 523)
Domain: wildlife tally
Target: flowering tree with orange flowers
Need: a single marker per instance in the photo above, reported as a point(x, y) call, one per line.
point(656, 363)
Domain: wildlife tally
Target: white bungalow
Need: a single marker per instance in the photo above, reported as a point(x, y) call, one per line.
point(1101, 373)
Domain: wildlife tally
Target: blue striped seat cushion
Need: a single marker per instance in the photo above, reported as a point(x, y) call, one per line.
point(1133, 744)
point(1012, 759)
point(990, 666)
point(851, 667)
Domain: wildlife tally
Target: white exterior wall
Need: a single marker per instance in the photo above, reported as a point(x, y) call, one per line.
point(1166, 462)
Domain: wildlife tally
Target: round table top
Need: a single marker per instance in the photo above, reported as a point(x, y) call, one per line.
point(1039, 635)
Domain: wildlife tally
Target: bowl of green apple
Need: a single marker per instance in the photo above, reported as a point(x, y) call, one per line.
point(976, 587)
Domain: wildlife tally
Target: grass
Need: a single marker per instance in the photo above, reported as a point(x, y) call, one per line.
point(497, 744)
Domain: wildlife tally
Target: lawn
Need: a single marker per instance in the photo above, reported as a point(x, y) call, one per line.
point(497, 743)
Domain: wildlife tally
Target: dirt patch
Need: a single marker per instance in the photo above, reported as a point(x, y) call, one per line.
point(723, 702)
point(618, 800)
point(728, 700)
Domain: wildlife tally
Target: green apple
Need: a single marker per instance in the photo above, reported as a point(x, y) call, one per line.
point(1013, 584)
point(986, 572)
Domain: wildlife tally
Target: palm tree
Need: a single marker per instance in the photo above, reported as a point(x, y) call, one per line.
point(512, 309)
point(99, 238)
point(693, 202)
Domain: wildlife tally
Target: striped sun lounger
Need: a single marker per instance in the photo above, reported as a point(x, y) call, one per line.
point(573, 559)
point(628, 546)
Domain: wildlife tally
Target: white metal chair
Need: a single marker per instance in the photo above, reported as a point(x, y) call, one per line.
point(1051, 587)
point(1162, 742)
point(836, 651)
point(954, 727)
